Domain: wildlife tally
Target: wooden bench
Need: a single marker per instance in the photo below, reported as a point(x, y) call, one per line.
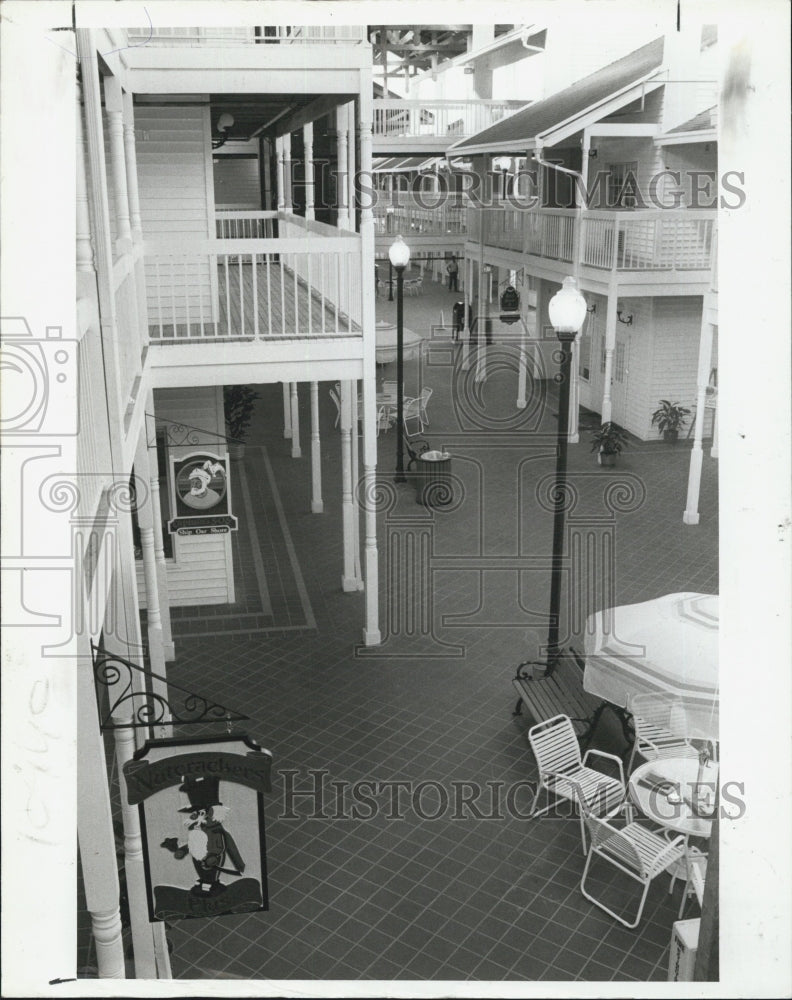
point(559, 694)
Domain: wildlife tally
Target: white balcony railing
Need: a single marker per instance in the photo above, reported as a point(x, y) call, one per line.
point(265, 35)
point(306, 282)
point(394, 119)
point(447, 219)
point(653, 240)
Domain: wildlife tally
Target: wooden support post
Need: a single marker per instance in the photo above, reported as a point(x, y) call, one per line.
point(310, 212)
point(348, 579)
point(610, 343)
point(367, 490)
point(317, 505)
point(691, 514)
point(287, 427)
point(342, 164)
point(351, 167)
point(296, 451)
point(288, 196)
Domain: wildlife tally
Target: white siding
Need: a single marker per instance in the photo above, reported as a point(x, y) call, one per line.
point(201, 571)
point(677, 330)
point(173, 145)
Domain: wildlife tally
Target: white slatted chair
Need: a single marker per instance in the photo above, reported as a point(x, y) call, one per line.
point(634, 849)
point(565, 774)
point(696, 862)
point(423, 399)
point(658, 718)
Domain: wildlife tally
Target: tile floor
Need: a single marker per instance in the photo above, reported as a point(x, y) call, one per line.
point(462, 896)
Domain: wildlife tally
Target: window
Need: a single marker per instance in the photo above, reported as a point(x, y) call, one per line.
point(618, 362)
point(622, 184)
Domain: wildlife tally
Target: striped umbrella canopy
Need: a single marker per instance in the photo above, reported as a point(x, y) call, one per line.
point(670, 645)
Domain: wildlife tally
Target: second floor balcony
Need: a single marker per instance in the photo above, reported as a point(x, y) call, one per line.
point(642, 245)
point(432, 126)
point(266, 276)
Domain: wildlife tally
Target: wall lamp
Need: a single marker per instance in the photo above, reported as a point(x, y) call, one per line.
point(224, 122)
point(592, 308)
point(625, 318)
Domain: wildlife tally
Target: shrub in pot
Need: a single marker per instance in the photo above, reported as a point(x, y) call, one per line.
point(670, 419)
point(609, 441)
point(238, 404)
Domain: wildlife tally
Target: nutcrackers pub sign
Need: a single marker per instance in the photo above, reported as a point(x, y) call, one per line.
point(202, 823)
point(200, 495)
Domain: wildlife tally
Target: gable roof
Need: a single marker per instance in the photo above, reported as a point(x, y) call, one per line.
point(521, 129)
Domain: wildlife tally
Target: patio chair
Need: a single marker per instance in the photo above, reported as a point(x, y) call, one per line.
point(696, 862)
point(390, 389)
point(634, 849)
point(565, 774)
point(413, 286)
point(423, 399)
point(658, 718)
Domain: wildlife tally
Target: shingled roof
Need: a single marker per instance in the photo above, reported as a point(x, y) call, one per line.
point(520, 129)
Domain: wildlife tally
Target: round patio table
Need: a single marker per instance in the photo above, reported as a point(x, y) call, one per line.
point(680, 817)
point(386, 344)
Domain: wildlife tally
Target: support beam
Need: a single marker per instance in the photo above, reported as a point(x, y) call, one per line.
point(342, 167)
point(610, 344)
point(371, 630)
point(288, 196)
point(317, 505)
point(348, 578)
point(280, 183)
point(296, 451)
point(310, 212)
point(691, 514)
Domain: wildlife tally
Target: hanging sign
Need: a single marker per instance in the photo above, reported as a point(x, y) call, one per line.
point(200, 495)
point(510, 305)
point(202, 824)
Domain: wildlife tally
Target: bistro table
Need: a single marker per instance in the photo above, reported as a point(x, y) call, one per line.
point(682, 773)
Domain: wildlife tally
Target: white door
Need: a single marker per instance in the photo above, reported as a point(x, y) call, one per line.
point(620, 375)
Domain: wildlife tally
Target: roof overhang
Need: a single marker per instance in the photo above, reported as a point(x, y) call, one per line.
point(562, 130)
point(687, 138)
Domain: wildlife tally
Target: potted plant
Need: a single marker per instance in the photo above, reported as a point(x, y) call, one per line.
point(238, 404)
point(670, 419)
point(609, 441)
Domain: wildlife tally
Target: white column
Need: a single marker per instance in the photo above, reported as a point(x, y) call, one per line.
point(279, 173)
point(287, 174)
point(522, 368)
point(485, 285)
point(341, 180)
point(371, 630)
point(714, 448)
point(574, 392)
point(134, 215)
point(115, 128)
point(355, 482)
point(296, 452)
point(309, 171)
point(348, 579)
point(317, 505)
point(95, 829)
point(466, 327)
point(691, 513)
point(287, 427)
point(85, 254)
point(169, 649)
point(610, 343)
point(351, 165)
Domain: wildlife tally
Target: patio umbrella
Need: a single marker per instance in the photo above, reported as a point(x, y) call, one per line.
point(669, 644)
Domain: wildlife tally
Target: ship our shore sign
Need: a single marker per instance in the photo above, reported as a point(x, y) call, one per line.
point(202, 822)
point(200, 495)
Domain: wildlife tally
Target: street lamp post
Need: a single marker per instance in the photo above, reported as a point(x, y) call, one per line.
point(567, 310)
point(399, 256)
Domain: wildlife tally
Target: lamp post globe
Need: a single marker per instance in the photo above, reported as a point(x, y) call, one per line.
point(567, 308)
point(399, 256)
point(399, 253)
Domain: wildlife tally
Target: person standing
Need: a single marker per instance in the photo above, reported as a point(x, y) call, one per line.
point(452, 269)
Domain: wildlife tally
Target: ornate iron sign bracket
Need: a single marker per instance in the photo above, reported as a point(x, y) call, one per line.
point(114, 674)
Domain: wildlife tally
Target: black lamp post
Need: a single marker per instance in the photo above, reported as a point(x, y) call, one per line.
point(567, 310)
point(399, 256)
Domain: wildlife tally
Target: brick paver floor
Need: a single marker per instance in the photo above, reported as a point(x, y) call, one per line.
point(437, 890)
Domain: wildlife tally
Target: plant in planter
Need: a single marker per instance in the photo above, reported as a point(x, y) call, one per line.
point(670, 419)
point(238, 404)
point(609, 441)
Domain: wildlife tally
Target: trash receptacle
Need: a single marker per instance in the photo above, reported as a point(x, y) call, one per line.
point(433, 486)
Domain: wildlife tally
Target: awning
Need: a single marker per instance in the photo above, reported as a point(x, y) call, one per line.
point(402, 164)
point(538, 121)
